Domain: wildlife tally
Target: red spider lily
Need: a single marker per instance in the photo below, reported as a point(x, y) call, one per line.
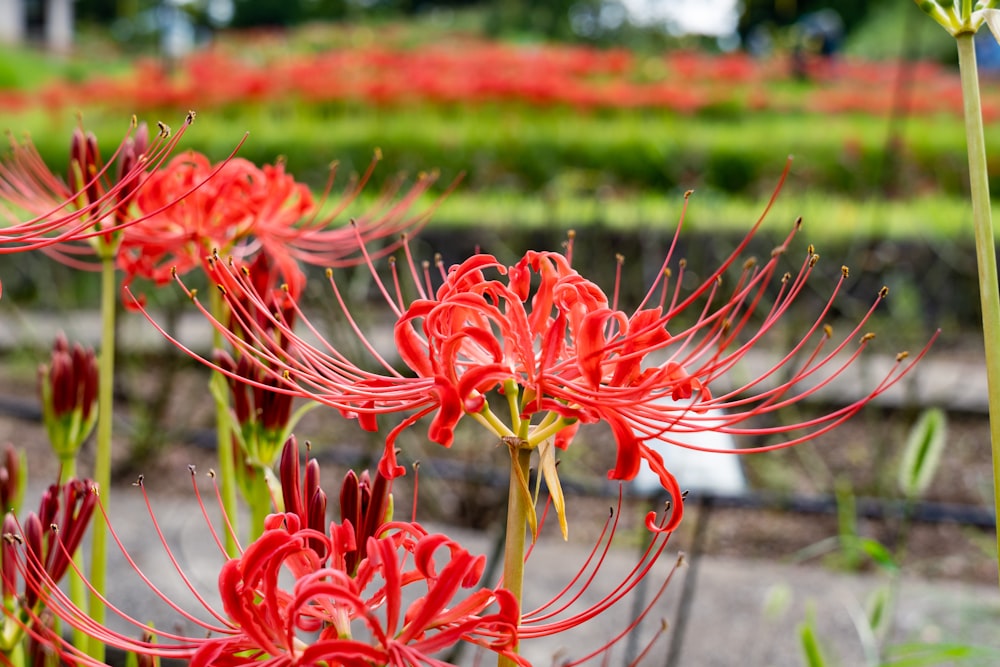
point(559, 352)
point(367, 590)
point(243, 209)
point(326, 600)
point(329, 615)
point(91, 204)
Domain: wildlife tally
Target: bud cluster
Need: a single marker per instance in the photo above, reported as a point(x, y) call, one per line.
point(36, 553)
point(68, 388)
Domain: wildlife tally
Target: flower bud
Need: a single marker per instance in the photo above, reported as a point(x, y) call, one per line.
point(68, 388)
point(13, 478)
point(8, 559)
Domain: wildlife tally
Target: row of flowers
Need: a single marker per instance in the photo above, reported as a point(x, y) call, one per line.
point(532, 351)
point(476, 72)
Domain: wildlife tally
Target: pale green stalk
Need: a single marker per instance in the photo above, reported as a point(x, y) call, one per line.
point(517, 522)
point(223, 435)
point(989, 291)
point(962, 20)
point(259, 499)
point(102, 460)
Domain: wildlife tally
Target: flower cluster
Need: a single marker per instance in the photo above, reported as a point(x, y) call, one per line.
point(349, 601)
point(474, 73)
point(557, 352)
point(36, 555)
point(243, 210)
point(530, 350)
point(68, 388)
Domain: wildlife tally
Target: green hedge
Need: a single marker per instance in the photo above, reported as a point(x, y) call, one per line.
point(532, 151)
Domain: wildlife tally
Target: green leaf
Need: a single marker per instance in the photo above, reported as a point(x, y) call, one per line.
point(879, 611)
point(924, 447)
point(811, 650)
point(878, 552)
point(919, 654)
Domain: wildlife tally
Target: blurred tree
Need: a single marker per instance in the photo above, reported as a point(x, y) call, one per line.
point(554, 19)
point(97, 11)
point(252, 13)
point(325, 10)
point(781, 13)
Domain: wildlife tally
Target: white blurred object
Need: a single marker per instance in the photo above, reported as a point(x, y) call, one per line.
point(699, 472)
point(687, 17)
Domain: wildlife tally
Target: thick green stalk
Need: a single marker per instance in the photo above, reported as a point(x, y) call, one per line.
point(102, 460)
point(223, 435)
point(259, 492)
point(517, 526)
point(989, 291)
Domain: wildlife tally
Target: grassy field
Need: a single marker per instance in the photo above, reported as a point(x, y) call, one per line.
point(624, 170)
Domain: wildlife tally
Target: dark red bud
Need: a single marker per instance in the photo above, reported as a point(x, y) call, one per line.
point(8, 563)
point(240, 391)
point(61, 382)
point(311, 483)
point(277, 408)
point(34, 564)
point(288, 473)
point(350, 499)
point(84, 379)
point(77, 159)
point(78, 508)
point(317, 520)
point(10, 478)
point(61, 343)
point(378, 504)
point(48, 507)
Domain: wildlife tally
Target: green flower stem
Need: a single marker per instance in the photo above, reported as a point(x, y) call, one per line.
point(512, 392)
point(517, 523)
point(989, 291)
point(102, 460)
point(223, 436)
point(492, 422)
point(259, 499)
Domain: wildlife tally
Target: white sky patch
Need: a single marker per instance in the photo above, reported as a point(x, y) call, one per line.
point(700, 17)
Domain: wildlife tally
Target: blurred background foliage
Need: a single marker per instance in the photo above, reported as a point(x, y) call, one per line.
point(863, 173)
point(604, 22)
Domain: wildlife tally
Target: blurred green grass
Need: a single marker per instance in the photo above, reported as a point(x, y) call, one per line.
point(826, 218)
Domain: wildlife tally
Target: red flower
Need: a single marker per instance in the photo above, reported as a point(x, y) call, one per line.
point(312, 621)
point(561, 353)
point(291, 597)
point(242, 209)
